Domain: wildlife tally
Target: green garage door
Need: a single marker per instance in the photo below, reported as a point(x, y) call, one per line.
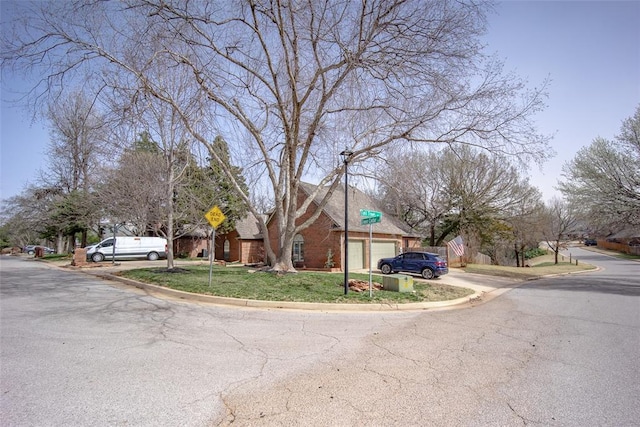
point(382, 250)
point(356, 255)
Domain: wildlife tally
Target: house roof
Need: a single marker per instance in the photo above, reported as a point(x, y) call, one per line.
point(248, 228)
point(357, 200)
point(625, 234)
point(188, 230)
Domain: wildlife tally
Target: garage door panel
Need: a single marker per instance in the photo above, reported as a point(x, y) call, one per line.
point(382, 250)
point(356, 255)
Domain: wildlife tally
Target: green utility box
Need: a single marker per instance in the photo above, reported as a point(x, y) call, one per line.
point(397, 283)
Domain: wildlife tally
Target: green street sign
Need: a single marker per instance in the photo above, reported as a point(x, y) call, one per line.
point(370, 214)
point(370, 220)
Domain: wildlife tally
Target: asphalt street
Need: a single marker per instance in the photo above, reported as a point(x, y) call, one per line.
point(79, 350)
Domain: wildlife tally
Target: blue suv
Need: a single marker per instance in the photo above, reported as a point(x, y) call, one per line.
point(428, 265)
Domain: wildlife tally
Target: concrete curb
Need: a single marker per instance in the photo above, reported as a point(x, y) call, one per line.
point(481, 295)
point(290, 305)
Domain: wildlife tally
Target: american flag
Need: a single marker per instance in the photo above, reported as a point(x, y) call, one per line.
point(457, 246)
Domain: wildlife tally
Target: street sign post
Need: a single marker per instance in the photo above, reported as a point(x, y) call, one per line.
point(215, 218)
point(369, 218)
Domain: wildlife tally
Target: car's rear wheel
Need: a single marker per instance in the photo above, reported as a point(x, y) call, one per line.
point(427, 273)
point(153, 256)
point(97, 257)
point(31, 252)
point(385, 268)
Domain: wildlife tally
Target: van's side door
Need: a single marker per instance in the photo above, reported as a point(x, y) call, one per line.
point(106, 248)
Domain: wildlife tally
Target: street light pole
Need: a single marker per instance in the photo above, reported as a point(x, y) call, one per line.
point(346, 157)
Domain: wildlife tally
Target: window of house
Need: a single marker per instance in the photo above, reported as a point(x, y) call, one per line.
point(298, 248)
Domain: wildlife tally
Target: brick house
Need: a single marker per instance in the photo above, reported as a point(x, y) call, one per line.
point(191, 244)
point(244, 244)
point(322, 244)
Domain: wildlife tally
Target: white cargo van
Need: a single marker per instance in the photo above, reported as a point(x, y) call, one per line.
point(151, 248)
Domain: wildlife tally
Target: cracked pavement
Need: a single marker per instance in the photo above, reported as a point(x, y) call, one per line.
point(78, 350)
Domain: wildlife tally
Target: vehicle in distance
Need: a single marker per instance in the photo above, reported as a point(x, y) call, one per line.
point(31, 249)
point(426, 264)
point(590, 242)
point(151, 248)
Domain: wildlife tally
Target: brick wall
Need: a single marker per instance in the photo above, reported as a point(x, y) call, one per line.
point(191, 246)
point(321, 237)
point(252, 251)
point(235, 247)
point(318, 239)
point(245, 251)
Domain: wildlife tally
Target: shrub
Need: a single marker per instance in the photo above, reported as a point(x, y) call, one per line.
point(329, 263)
point(534, 253)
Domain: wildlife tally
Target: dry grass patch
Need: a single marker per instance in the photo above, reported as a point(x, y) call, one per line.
point(540, 266)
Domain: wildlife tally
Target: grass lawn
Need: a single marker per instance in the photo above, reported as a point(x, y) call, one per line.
point(241, 282)
point(540, 266)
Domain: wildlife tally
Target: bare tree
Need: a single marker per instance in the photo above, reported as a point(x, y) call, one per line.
point(561, 221)
point(415, 188)
point(62, 204)
point(527, 221)
point(75, 155)
point(290, 84)
point(77, 142)
point(19, 214)
point(603, 179)
point(629, 136)
point(34, 215)
point(166, 129)
point(134, 192)
point(440, 193)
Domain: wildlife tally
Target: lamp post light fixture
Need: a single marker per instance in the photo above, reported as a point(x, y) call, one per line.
point(346, 157)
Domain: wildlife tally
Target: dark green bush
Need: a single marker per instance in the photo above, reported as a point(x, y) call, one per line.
point(534, 253)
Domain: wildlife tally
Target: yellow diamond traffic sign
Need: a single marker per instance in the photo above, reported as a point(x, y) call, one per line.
point(215, 216)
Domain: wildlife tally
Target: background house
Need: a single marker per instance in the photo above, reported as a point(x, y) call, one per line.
point(192, 244)
point(627, 241)
point(321, 245)
point(244, 244)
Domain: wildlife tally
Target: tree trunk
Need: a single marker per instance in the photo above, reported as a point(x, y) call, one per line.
point(71, 242)
point(170, 207)
point(283, 261)
point(432, 234)
point(284, 264)
point(60, 241)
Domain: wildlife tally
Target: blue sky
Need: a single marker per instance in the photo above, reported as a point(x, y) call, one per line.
point(590, 50)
